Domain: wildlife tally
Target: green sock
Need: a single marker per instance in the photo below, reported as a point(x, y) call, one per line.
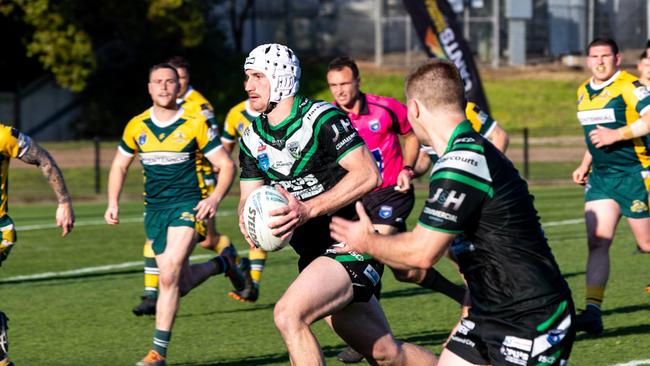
point(161, 341)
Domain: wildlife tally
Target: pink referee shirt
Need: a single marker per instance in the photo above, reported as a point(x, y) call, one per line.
point(380, 122)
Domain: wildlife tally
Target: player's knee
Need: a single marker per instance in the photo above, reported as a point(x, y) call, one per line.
point(168, 279)
point(386, 352)
point(596, 241)
point(286, 319)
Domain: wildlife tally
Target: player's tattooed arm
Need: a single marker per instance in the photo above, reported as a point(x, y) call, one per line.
point(37, 155)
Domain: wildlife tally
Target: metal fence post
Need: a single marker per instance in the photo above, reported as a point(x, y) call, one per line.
point(97, 163)
point(526, 162)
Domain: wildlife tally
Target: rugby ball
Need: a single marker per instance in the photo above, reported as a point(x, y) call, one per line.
point(256, 218)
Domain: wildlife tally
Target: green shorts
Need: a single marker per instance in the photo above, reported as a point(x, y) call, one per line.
point(156, 222)
point(629, 191)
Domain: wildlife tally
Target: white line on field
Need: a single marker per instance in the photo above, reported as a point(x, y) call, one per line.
point(109, 267)
point(96, 222)
point(86, 270)
point(634, 363)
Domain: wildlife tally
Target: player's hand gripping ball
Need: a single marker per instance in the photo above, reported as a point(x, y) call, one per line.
point(256, 218)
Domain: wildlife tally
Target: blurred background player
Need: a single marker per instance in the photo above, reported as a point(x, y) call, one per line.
point(192, 102)
point(238, 119)
point(644, 68)
point(166, 138)
point(14, 144)
point(380, 121)
point(311, 152)
point(613, 111)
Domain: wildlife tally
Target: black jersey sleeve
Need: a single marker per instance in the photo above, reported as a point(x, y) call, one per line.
point(248, 165)
point(459, 187)
point(338, 136)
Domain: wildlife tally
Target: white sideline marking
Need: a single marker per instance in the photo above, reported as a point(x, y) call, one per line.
point(634, 363)
point(95, 222)
point(109, 267)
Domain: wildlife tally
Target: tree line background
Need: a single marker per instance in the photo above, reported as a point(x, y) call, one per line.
point(103, 49)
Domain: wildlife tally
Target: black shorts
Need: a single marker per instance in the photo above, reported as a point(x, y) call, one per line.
point(365, 273)
point(389, 207)
point(545, 337)
point(311, 239)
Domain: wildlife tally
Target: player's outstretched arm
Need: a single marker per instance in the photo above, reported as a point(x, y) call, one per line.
point(36, 155)
point(420, 248)
point(119, 167)
point(222, 163)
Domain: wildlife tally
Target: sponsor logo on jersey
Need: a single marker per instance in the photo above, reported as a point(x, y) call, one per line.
point(142, 139)
point(482, 116)
point(264, 162)
point(638, 206)
point(343, 126)
point(519, 343)
point(514, 355)
point(261, 148)
point(385, 211)
point(465, 326)
point(581, 97)
point(345, 141)
point(161, 136)
point(374, 125)
point(596, 116)
point(464, 341)
point(163, 157)
point(448, 198)
point(468, 161)
point(463, 140)
point(179, 137)
point(372, 274)
point(554, 336)
point(278, 144)
point(294, 149)
point(439, 216)
point(240, 127)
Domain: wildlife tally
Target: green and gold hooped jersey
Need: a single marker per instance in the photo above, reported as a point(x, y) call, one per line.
point(167, 152)
point(615, 103)
point(13, 144)
point(238, 119)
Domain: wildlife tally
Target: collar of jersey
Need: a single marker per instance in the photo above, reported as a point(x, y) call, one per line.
point(164, 124)
point(294, 110)
point(605, 84)
point(462, 127)
point(363, 110)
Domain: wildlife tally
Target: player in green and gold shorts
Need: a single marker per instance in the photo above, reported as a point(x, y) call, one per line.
point(612, 109)
point(166, 138)
point(192, 102)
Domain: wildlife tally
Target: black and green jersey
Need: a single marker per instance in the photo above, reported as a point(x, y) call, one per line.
point(475, 190)
point(302, 152)
point(615, 103)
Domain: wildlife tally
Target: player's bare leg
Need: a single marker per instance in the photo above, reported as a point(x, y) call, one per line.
point(180, 243)
point(448, 358)
point(601, 219)
point(641, 230)
point(309, 298)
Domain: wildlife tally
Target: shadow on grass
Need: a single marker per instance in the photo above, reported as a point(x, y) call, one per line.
point(638, 330)
point(432, 338)
point(627, 310)
point(573, 274)
point(412, 291)
point(246, 308)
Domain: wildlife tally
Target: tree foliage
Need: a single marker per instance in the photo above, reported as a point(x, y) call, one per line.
point(61, 46)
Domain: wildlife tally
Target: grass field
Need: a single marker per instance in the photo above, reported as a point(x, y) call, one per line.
point(64, 315)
